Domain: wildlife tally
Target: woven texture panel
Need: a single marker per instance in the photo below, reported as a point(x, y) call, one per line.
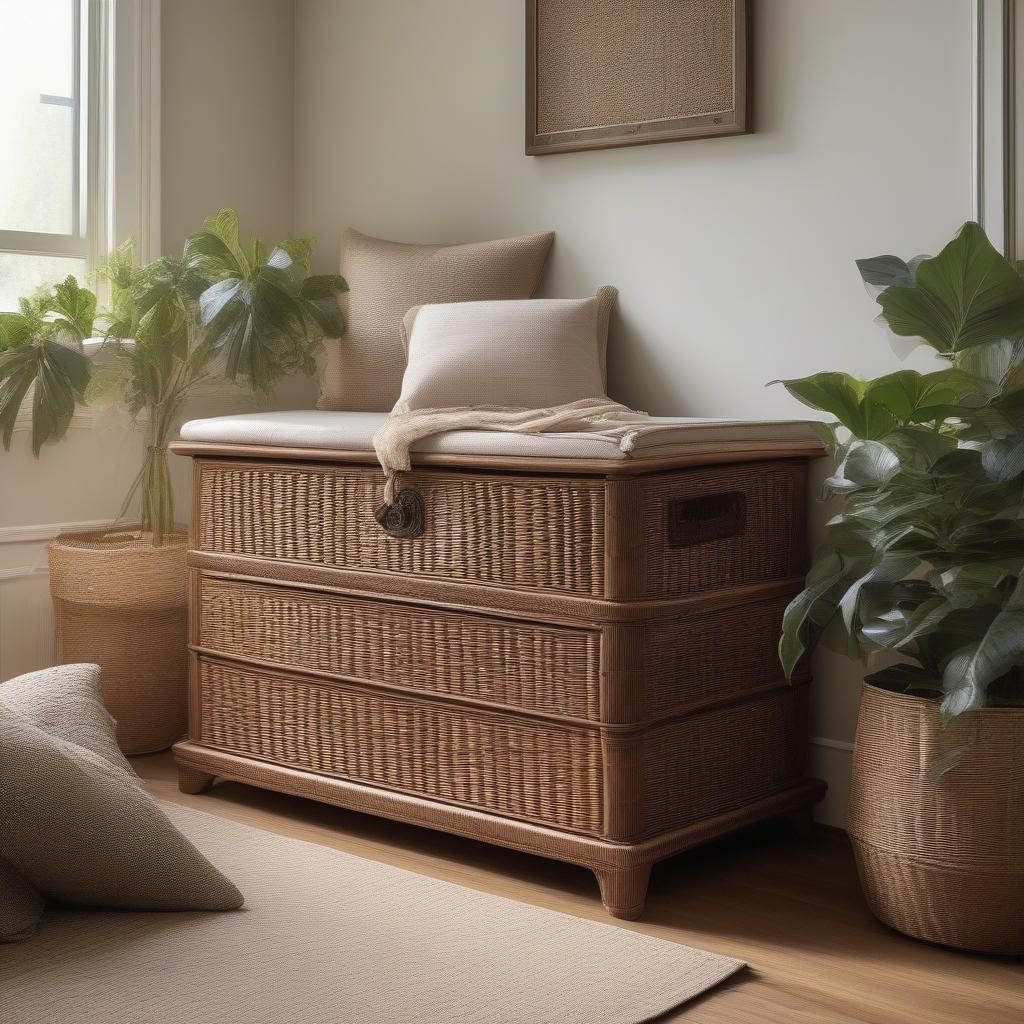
point(928, 846)
point(714, 655)
point(364, 368)
point(507, 531)
point(604, 62)
point(120, 602)
point(539, 668)
point(526, 769)
point(716, 761)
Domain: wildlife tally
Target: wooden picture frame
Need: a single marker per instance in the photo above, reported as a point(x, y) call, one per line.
point(621, 103)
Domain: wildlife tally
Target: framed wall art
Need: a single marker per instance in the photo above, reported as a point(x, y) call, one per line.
point(602, 73)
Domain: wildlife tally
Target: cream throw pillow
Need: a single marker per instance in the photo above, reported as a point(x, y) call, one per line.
point(530, 354)
point(78, 826)
point(364, 367)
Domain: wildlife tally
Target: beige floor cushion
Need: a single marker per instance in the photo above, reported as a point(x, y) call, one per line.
point(65, 701)
point(386, 279)
point(78, 826)
point(529, 353)
point(21, 907)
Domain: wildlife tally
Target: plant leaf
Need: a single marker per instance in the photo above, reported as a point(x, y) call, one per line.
point(970, 671)
point(967, 295)
point(825, 574)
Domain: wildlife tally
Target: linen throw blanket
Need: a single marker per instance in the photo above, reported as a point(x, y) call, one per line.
point(396, 435)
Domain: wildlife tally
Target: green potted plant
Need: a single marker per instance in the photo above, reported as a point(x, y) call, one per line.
point(920, 575)
point(246, 312)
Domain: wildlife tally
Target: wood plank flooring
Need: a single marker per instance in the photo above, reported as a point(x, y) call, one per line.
point(791, 907)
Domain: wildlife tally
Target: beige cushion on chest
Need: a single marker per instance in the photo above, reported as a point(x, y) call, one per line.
point(353, 431)
point(531, 354)
point(364, 368)
point(78, 826)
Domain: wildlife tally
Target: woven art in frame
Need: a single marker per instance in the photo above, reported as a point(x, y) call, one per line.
point(603, 73)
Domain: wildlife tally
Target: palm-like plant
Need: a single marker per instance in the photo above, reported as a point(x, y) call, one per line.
point(925, 562)
point(249, 313)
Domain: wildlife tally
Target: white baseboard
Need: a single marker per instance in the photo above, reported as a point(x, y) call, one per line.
point(47, 531)
point(832, 761)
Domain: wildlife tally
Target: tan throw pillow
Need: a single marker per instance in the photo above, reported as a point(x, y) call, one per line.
point(67, 702)
point(364, 367)
point(79, 827)
point(53, 699)
point(531, 354)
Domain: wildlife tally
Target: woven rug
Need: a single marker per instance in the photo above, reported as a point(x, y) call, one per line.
point(328, 938)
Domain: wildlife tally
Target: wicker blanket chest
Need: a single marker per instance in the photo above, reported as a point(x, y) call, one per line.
point(575, 658)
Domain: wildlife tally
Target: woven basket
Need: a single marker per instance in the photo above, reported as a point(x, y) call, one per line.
point(940, 856)
point(120, 603)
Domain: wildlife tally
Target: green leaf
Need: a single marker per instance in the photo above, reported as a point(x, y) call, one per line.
point(810, 607)
point(971, 670)
point(323, 286)
point(914, 397)
point(995, 367)
point(73, 308)
point(905, 678)
point(842, 396)
point(17, 374)
point(967, 295)
point(224, 226)
point(866, 464)
point(886, 271)
point(299, 250)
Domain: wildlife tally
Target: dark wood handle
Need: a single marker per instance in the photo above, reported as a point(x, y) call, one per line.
point(700, 520)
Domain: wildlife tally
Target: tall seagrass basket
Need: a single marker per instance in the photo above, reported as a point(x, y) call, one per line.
point(941, 856)
point(120, 603)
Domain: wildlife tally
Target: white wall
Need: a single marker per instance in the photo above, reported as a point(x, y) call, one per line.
point(733, 256)
point(227, 102)
point(226, 117)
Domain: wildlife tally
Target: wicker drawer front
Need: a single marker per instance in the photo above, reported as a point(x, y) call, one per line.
point(512, 766)
point(714, 655)
point(716, 761)
point(552, 669)
point(727, 526)
point(510, 531)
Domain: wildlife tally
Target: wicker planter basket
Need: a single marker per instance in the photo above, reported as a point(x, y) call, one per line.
point(121, 603)
point(941, 858)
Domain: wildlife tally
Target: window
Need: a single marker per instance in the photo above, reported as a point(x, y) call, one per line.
point(79, 89)
point(43, 177)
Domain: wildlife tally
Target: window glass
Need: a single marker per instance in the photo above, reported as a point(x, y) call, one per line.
point(37, 116)
point(22, 274)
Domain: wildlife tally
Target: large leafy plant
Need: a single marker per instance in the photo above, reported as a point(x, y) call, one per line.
point(247, 312)
point(924, 562)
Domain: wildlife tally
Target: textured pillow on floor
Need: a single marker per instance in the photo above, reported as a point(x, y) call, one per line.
point(531, 354)
point(78, 825)
point(21, 906)
point(364, 367)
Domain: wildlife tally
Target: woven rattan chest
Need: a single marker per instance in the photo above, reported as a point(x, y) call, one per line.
point(575, 658)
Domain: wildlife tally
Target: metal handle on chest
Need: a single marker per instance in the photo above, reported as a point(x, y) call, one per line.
point(405, 517)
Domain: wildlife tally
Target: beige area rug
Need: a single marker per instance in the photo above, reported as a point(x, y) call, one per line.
point(328, 938)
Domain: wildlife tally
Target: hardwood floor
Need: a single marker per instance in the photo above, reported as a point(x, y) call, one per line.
point(789, 906)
